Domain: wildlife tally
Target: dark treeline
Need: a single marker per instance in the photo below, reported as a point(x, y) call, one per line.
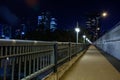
point(47, 35)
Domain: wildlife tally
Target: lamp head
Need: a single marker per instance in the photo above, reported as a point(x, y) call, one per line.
point(77, 29)
point(104, 14)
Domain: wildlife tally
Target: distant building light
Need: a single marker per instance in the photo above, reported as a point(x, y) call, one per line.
point(53, 19)
point(22, 33)
point(3, 35)
point(18, 30)
point(93, 20)
point(53, 22)
point(88, 22)
point(96, 33)
point(39, 17)
point(98, 29)
point(22, 24)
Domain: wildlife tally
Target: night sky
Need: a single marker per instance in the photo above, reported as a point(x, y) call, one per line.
point(67, 12)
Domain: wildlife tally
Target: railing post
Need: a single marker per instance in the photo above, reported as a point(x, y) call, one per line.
point(76, 50)
point(55, 57)
point(69, 51)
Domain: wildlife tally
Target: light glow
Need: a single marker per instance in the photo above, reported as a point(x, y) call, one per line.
point(77, 29)
point(104, 14)
point(84, 36)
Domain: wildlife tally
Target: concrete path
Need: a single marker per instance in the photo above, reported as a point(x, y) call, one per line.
point(92, 66)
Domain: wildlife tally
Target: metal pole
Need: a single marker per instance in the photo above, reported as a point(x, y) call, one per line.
point(70, 51)
point(97, 26)
point(5, 69)
point(77, 38)
point(84, 40)
point(55, 57)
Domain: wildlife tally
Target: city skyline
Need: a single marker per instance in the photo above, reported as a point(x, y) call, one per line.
point(66, 12)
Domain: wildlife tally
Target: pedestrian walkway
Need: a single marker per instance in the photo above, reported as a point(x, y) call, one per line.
point(92, 66)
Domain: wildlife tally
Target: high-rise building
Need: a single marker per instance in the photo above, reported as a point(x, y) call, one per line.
point(44, 21)
point(20, 32)
point(93, 26)
point(40, 18)
point(5, 31)
point(53, 25)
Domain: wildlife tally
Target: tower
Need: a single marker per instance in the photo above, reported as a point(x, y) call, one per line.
point(93, 25)
point(44, 21)
point(53, 25)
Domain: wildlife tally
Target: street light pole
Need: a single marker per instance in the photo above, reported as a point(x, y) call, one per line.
point(77, 37)
point(77, 32)
point(84, 37)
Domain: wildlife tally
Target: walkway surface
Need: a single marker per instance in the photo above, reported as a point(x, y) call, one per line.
point(92, 66)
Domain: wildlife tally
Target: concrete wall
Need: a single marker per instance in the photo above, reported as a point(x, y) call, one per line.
point(110, 42)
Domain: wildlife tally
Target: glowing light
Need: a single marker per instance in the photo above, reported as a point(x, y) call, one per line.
point(22, 33)
point(98, 29)
point(7, 58)
point(40, 17)
point(104, 14)
point(77, 29)
point(14, 41)
point(84, 36)
point(35, 42)
point(3, 35)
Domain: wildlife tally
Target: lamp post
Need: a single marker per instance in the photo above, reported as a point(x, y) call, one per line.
point(77, 33)
point(84, 37)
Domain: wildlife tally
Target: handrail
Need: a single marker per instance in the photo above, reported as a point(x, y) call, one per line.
point(27, 59)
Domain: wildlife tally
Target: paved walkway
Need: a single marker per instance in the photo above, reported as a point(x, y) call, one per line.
point(92, 66)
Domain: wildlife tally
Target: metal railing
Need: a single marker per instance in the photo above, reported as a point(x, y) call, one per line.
point(25, 60)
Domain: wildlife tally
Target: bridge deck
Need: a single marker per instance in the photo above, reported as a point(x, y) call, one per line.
point(92, 66)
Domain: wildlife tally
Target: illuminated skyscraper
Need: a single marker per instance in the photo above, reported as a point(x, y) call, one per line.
point(40, 18)
point(5, 31)
point(45, 22)
point(93, 26)
point(53, 24)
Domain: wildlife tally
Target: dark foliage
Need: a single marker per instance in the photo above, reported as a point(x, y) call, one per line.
point(57, 35)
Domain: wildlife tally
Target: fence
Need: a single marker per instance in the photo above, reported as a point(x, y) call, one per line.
point(26, 60)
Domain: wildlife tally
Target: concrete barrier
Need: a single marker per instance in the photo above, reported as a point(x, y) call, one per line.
point(110, 42)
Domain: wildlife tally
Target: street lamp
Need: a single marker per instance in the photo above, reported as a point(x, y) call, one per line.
point(77, 31)
point(88, 41)
point(84, 36)
point(22, 34)
point(104, 14)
